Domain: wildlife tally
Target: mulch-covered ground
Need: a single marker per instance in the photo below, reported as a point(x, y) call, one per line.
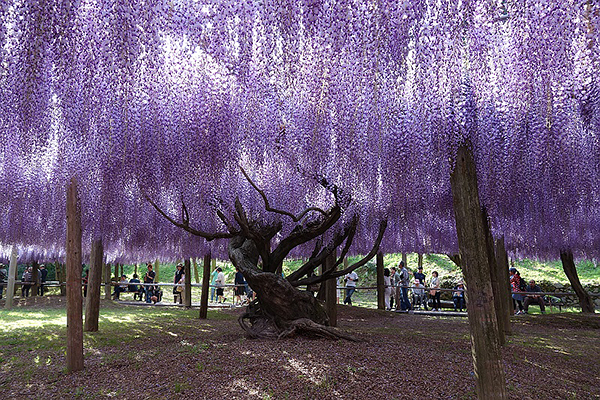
point(403, 356)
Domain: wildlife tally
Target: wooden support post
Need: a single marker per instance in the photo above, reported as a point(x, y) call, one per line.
point(156, 267)
point(405, 260)
point(331, 292)
point(196, 270)
point(117, 277)
point(419, 260)
point(17, 280)
point(121, 273)
point(585, 300)
point(35, 276)
point(494, 279)
point(61, 277)
point(504, 279)
point(92, 301)
point(187, 298)
point(135, 270)
point(205, 284)
point(106, 276)
point(487, 363)
point(74, 298)
point(10, 289)
point(380, 283)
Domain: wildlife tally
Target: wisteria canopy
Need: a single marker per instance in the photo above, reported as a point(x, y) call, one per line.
point(170, 98)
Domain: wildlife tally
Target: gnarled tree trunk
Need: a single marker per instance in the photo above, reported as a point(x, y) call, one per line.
point(585, 300)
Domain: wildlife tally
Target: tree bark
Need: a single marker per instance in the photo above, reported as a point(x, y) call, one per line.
point(106, 276)
point(196, 276)
point(63, 276)
point(585, 300)
point(92, 301)
point(380, 283)
point(156, 268)
point(12, 272)
point(494, 279)
point(331, 292)
point(74, 297)
point(504, 279)
point(489, 372)
point(35, 275)
point(205, 284)
point(187, 298)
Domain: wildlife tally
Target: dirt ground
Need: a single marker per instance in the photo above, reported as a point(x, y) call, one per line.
point(403, 356)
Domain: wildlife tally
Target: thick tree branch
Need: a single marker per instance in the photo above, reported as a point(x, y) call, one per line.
point(185, 224)
point(317, 259)
point(331, 273)
point(278, 211)
point(455, 258)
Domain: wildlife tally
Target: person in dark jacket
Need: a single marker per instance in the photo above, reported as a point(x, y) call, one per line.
point(178, 279)
point(27, 280)
point(240, 287)
point(43, 278)
point(534, 298)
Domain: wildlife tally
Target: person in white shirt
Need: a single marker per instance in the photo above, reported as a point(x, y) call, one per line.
point(220, 282)
point(351, 279)
point(387, 282)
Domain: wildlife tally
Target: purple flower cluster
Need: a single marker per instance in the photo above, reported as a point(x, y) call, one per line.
point(168, 98)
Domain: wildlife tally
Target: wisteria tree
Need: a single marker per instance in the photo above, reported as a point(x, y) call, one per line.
point(281, 309)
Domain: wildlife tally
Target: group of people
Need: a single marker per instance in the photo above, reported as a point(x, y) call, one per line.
point(524, 294)
point(150, 293)
point(27, 281)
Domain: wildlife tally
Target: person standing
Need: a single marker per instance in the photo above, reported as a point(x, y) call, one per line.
point(387, 292)
point(3, 278)
point(396, 292)
point(420, 276)
point(213, 280)
point(27, 279)
point(43, 278)
point(405, 283)
point(351, 279)
point(149, 278)
point(515, 286)
point(220, 283)
point(179, 279)
point(240, 286)
point(434, 292)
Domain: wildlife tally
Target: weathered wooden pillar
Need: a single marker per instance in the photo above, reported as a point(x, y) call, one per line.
point(74, 297)
point(585, 300)
point(494, 279)
point(504, 279)
point(121, 272)
point(419, 260)
point(196, 270)
point(405, 259)
point(205, 284)
point(331, 292)
point(10, 289)
point(380, 283)
point(117, 277)
point(489, 372)
point(187, 298)
point(35, 276)
point(135, 270)
point(92, 301)
point(156, 266)
point(106, 277)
